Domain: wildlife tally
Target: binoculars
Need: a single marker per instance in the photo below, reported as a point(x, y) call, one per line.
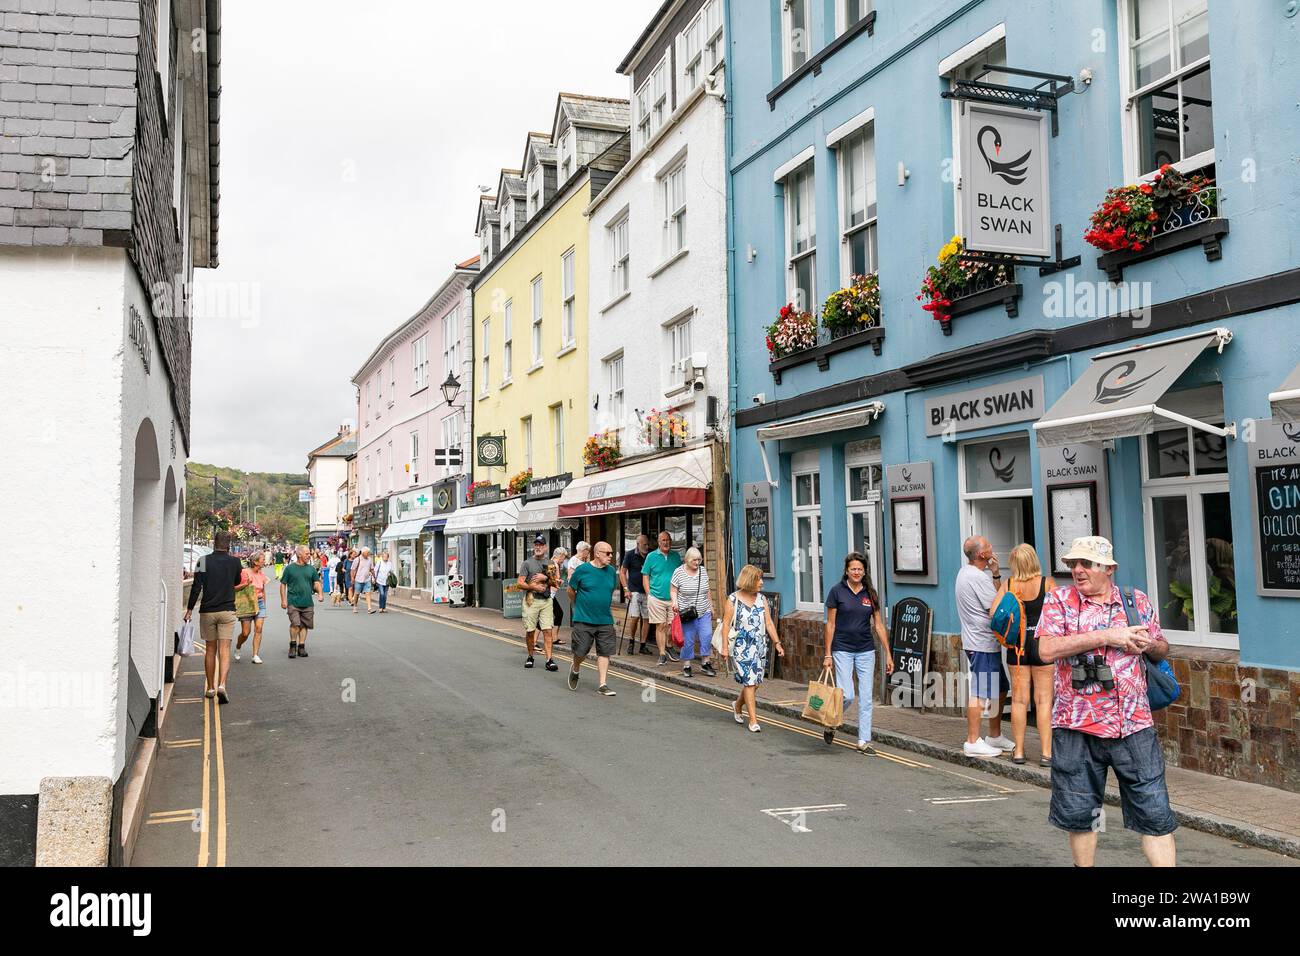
point(1091, 670)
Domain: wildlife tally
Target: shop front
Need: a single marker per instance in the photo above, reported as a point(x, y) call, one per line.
point(405, 540)
point(491, 523)
point(368, 521)
point(540, 514)
point(676, 492)
point(441, 552)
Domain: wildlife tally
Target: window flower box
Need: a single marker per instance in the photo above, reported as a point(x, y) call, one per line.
point(665, 429)
point(1153, 219)
point(850, 317)
point(964, 282)
point(793, 331)
point(601, 452)
point(519, 483)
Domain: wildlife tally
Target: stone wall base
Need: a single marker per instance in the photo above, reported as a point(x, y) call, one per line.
point(74, 821)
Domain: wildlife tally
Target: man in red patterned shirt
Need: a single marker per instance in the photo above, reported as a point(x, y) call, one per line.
point(1102, 717)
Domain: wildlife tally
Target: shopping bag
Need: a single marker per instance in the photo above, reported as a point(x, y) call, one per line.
point(825, 701)
point(717, 638)
point(185, 638)
point(678, 637)
point(246, 601)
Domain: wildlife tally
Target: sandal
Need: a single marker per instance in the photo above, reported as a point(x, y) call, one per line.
point(1018, 760)
point(1045, 762)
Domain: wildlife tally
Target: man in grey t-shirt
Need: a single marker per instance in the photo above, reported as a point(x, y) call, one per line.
point(977, 586)
point(537, 578)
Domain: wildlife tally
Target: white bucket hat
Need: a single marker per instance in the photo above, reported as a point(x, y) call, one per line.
point(1095, 549)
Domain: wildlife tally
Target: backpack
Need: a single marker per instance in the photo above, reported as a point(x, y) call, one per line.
point(1009, 623)
point(1162, 687)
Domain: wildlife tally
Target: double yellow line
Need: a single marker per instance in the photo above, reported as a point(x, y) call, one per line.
point(212, 747)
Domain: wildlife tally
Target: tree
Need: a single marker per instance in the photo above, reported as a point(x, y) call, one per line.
point(278, 527)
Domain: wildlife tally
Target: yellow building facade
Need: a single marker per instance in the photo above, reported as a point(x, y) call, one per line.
point(530, 329)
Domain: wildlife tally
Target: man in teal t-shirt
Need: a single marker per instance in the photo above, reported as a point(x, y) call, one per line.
point(656, 578)
point(298, 582)
point(591, 588)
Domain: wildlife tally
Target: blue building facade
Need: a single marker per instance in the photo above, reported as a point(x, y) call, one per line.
point(900, 440)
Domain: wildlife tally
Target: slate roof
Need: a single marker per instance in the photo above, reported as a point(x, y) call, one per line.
point(540, 145)
point(600, 112)
point(513, 183)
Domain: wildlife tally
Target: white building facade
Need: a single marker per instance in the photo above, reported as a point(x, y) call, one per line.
point(658, 281)
point(108, 202)
point(327, 473)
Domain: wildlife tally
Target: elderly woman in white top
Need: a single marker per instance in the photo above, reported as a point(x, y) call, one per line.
point(689, 593)
point(383, 568)
point(581, 555)
point(561, 558)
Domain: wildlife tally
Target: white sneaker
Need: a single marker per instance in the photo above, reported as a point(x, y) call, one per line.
point(236, 654)
point(980, 749)
point(1000, 742)
point(257, 659)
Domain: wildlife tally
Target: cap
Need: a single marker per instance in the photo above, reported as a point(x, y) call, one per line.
point(1095, 549)
point(539, 539)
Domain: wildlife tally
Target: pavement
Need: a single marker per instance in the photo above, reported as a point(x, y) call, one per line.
point(1249, 813)
point(410, 739)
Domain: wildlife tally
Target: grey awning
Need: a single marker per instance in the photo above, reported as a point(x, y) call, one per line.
point(816, 425)
point(1119, 393)
point(543, 516)
point(1286, 400)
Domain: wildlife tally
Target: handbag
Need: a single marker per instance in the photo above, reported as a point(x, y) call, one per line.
point(246, 601)
point(679, 638)
point(392, 580)
point(185, 639)
point(825, 703)
point(691, 612)
point(717, 638)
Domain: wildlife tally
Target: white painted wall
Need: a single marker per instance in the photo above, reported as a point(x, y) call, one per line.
point(79, 394)
point(698, 279)
point(325, 476)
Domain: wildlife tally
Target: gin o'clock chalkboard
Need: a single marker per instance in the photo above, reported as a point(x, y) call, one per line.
point(1275, 507)
point(909, 643)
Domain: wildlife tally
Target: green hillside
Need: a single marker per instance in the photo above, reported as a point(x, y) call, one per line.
point(273, 496)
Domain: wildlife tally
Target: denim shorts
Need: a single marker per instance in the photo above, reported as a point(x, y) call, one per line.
point(988, 679)
point(1079, 763)
point(261, 608)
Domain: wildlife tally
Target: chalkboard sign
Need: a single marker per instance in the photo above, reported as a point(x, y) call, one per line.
point(512, 601)
point(758, 526)
point(1274, 458)
point(1278, 493)
point(909, 643)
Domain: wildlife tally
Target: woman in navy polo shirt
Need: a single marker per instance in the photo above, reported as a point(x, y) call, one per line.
point(852, 615)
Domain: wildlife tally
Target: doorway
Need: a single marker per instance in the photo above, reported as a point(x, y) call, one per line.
point(997, 493)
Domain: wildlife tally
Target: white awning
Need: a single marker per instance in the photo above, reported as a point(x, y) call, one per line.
point(816, 425)
point(1118, 393)
point(676, 480)
point(410, 528)
point(1286, 400)
point(484, 519)
point(543, 516)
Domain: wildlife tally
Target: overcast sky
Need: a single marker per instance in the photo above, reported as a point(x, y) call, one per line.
point(352, 148)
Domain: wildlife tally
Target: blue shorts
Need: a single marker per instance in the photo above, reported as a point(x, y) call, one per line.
point(261, 607)
point(988, 679)
point(364, 587)
point(1079, 763)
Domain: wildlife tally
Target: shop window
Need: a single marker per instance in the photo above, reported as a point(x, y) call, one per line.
point(807, 531)
point(1188, 523)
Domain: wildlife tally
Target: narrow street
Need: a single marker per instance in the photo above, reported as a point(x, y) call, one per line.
point(449, 752)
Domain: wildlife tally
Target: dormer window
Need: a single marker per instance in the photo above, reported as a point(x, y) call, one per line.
point(485, 244)
point(534, 190)
point(507, 221)
point(566, 156)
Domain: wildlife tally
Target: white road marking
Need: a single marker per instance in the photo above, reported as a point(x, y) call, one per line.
point(793, 817)
point(936, 801)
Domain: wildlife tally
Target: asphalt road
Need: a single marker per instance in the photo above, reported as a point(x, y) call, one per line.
point(406, 741)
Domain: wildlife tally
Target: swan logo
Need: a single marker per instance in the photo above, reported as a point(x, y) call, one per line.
point(1003, 473)
point(1071, 457)
point(1012, 172)
point(1115, 385)
point(1291, 430)
point(907, 475)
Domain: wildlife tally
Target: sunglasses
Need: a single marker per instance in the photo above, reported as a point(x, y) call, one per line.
point(1084, 563)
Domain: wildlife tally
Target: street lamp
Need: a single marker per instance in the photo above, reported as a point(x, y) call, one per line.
point(450, 388)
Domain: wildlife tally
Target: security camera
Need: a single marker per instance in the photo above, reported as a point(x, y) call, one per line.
point(760, 398)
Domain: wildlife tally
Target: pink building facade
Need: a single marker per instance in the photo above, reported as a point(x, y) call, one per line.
point(412, 444)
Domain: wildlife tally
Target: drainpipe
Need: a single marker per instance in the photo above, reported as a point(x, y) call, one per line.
point(733, 365)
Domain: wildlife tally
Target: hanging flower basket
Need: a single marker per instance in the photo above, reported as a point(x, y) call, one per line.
point(793, 331)
point(665, 429)
point(853, 308)
point(519, 483)
point(602, 451)
point(220, 519)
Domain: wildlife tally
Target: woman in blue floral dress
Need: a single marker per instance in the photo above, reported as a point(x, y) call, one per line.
point(746, 627)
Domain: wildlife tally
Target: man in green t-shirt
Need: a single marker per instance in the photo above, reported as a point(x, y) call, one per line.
point(591, 589)
point(656, 580)
point(299, 580)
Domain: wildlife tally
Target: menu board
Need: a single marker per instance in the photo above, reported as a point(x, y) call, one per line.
point(758, 526)
point(909, 535)
point(909, 643)
point(1072, 514)
point(1275, 507)
point(1277, 491)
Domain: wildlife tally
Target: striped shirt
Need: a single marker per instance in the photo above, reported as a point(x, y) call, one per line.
point(692, 589)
